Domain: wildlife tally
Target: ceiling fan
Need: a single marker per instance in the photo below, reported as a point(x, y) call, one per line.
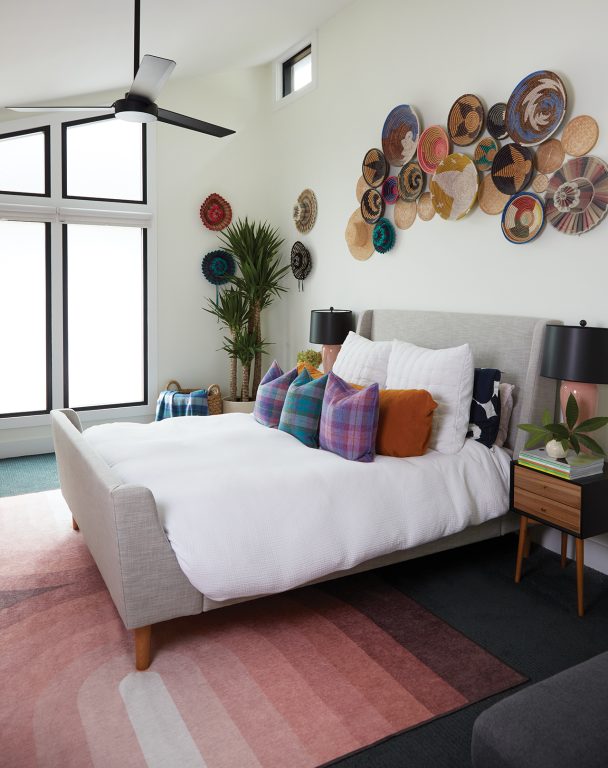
point(138, 105)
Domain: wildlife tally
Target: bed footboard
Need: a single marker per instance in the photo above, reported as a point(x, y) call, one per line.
point(121, 528)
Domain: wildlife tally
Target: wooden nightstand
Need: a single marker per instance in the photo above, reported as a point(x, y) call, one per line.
point(575, 507)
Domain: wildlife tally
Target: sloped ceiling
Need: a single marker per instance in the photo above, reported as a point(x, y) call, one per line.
point(55, 49)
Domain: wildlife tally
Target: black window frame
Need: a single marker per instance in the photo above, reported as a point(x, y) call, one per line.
point(46, 130)
point(66, 370)
point(49, 331)
point(287, 69)
point(64, 164)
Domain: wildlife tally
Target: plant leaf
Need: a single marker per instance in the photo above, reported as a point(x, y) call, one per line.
point(565, 444)
point(590, 425)
point(531, 428)
point(535, 440)
point(547, 418)
point(590, 443)
point(575, 443)
point(571, 411)
point(559, 431)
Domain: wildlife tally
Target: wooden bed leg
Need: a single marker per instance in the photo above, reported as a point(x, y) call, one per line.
point(523, 535)
point(527, 547)
point(75, 524)
point(142, 647)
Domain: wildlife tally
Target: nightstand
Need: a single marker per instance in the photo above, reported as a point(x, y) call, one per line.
point(575, 507)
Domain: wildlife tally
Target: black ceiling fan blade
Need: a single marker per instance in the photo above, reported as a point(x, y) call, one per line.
point(183, 121)
point(107, 110)
point(152, 74)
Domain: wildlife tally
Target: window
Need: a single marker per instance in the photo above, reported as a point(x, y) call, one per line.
point(24, 318)
point(25, 162)
point(295, 71)
point(75, 266)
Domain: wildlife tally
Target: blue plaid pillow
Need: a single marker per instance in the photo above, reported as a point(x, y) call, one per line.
point(271, 395)
point(301, 412)
point(484, 420)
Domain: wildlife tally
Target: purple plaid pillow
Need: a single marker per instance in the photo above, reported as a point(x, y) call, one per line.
point(349, 420)
point(271, 395)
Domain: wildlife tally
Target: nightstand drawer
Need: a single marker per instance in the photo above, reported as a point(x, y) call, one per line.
point(552, 511)
point(547, 486)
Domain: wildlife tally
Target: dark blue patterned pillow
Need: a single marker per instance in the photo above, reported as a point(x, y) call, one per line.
point(485, 406)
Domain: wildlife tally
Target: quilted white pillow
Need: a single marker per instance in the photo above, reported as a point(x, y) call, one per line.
point(363, 362)
point(448, 375)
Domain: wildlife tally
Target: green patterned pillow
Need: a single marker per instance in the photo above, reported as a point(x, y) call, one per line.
point(301, 412)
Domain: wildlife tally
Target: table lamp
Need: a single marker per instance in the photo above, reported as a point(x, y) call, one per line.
point(578, 355)
point(330, 327)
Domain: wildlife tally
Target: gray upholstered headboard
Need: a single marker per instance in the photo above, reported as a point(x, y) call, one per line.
point(511, 344)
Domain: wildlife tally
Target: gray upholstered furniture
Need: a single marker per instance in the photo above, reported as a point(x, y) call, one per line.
point(120, 522)
point(557, 723)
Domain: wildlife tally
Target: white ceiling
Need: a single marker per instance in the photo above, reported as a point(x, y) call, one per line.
point(55, 49)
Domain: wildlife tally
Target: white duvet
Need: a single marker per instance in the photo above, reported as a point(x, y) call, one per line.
point(250, 510)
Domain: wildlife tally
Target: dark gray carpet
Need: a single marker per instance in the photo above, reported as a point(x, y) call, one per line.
point(532, 626)
point(28, 474)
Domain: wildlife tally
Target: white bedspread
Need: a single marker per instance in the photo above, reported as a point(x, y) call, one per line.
point(250, 510)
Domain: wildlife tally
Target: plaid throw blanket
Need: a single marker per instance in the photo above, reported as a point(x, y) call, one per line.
point(171, 403)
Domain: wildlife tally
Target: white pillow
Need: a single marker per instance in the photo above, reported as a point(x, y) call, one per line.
point(506, 408)
point(448, 375)
point(363, 362)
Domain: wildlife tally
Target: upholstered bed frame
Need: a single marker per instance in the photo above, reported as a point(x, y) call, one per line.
point(120, 523)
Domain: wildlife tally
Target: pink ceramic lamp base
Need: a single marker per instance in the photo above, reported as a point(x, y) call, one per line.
point(586, 398)
point(329, 352)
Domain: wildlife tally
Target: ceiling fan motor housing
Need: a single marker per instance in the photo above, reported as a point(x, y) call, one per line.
point(135, 110)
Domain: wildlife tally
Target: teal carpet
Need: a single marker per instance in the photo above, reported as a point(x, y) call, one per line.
point(28, 474)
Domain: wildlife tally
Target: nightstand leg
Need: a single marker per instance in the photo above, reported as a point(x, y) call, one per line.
point(564, 549)
point(523, 534)
point(580, 564)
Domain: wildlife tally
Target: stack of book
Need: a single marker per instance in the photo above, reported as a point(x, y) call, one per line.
point(573, 467)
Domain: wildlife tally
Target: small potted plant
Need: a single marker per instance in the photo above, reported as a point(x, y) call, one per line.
point(310, 357)
point(561, 437)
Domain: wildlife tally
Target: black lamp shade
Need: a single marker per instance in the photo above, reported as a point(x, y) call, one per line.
point(576, 353)
point(330, 326)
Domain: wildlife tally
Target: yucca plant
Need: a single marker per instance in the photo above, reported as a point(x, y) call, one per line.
point(569, 434)
point(244, 346)
point(232, 311)
point(257, 251)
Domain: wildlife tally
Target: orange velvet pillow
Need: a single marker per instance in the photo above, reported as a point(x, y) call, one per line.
point(404, 422)
point(314, 373)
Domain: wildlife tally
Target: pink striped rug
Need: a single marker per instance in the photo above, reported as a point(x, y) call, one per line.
point(292, 680)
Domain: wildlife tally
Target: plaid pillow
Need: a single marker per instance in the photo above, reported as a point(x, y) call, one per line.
point(302, 410)
point(271, 395)
point(349, 419)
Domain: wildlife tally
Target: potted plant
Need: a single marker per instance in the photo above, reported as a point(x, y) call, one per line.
point(232, 311)
point(257, 251)
point(310, 357)
point(561, 437)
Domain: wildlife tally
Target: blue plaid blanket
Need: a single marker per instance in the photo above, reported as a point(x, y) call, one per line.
point(171, 403)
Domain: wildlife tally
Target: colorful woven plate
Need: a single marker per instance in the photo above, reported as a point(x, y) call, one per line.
point(536, 108)
point(495, 122)
point(372, 206)
point(466, 120)
point(426, 209)
point(410, 182)
point(454, 186)
point(523, 218)
point(580, 136)
point(433, 147)
point(577, 195)
point(215, 212)
point(512, 168)
point(390, 191)
point(405, 213)
point(218, 267)
point(358, 236)
point(400, 134)
point(374, 168)
point(549, 156)
point(485, 152)
point(491, 200)
point(383, 236)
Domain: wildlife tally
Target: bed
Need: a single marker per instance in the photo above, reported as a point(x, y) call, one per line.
point(121, 499)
